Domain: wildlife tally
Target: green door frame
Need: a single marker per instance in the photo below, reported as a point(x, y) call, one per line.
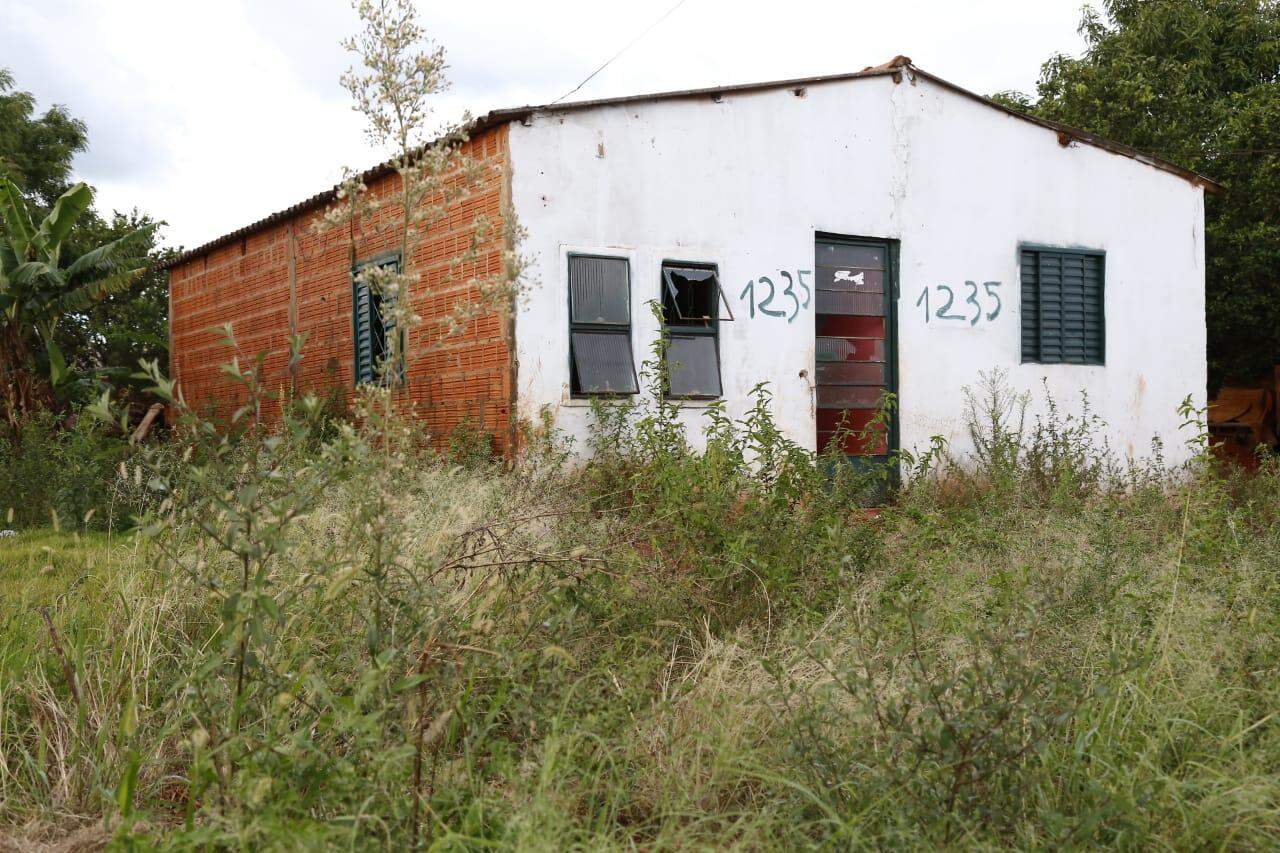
point(891, 291)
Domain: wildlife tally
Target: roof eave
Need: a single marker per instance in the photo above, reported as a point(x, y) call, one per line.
point(479, 125)
point(895, 68)
point(507, 114)
point(1067, 133)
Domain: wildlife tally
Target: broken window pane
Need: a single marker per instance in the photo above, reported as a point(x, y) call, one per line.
point(602, 362)
point(599, 290)
point(693, 366)
point(690, 296)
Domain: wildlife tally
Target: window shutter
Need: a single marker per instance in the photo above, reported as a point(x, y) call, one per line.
point(362, 304)
point(602, 362)
point(1095, 336)
point(691, 326)
point(1050, 272)
point(1063, 321)
point(1073, 300)
point(373, 326)
point(386, 316)
point(599, 290)
point(693, 366)
point(1030, 306)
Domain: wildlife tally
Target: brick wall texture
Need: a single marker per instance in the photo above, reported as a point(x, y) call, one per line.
point(451, 379)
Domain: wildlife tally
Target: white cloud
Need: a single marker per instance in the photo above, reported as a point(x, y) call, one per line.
point(214, 114)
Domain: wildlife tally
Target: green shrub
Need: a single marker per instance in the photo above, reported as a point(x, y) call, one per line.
point(752, 513)
point(65, 475)
point(331, 638)
point(470, 446)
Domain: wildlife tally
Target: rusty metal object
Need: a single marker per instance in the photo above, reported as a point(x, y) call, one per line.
point(1240, 421)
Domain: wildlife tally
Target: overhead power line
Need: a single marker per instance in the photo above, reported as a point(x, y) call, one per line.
point(627, 47)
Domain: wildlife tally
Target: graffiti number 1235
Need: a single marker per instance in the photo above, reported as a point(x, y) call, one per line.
point(761, 299)
point(948, 310)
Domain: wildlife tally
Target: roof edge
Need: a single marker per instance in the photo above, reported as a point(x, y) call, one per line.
point(895, 68)
point(387, 167)
point(508, 114)
point(1067, 134)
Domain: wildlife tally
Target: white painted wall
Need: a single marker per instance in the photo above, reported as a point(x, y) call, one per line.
point(746, 183)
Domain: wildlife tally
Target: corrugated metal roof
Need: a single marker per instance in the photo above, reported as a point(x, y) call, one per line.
point(894, 67)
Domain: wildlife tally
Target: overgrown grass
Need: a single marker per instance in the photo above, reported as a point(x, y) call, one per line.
point(664, 650)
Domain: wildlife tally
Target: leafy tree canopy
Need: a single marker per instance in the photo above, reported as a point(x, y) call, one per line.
point(107, 336)
point(36, 151)
point(117, 331)
point(41, 283)
point(1196, 82)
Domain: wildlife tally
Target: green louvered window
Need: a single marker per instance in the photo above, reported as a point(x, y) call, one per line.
point(1062, 306)
point(374, 326)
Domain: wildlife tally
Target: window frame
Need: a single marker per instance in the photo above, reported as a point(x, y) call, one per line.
point(605, 328)
point(382, 379)
point(1041, 249)
point(711, 329)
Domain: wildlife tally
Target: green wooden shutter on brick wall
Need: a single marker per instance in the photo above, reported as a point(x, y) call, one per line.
point(372, 326)
point(362, 303)
point(1062, 306)
point(386, 310)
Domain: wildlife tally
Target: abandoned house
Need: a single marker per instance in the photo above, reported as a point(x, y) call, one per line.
point(835, 237)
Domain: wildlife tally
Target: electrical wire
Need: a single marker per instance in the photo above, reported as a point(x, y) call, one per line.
point(628, 46)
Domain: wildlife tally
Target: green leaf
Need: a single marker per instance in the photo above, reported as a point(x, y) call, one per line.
point(411, 682)
point(129, 718)
point(82, 297)
point(126, 251)
point(101, 408)
point(17, 221)
point(27, 274)
point(269, 606)
point(58, 372)
point(8, 263)
point(128, 784)
point(58, 224)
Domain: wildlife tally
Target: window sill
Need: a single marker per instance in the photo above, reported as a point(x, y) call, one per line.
point(585, 402)
point(1063, 363)
point(697, 402)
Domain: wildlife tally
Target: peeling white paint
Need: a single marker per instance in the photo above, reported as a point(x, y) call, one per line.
point(747, 181)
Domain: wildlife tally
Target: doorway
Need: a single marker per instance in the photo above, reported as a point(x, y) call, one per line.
point(856, 351)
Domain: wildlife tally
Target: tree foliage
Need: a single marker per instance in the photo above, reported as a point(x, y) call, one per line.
point(36, 151)
point(112, 335)
point(41, 283)
point(1198, 83)
point(104, 337)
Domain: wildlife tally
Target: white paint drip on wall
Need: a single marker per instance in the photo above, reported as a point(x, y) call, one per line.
point(745, 183)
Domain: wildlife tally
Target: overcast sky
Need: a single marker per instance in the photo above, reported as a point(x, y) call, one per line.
point(213, 114)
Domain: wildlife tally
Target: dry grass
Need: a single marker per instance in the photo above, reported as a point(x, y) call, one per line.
point(612, 681)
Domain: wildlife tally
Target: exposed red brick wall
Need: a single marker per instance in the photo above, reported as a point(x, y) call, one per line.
point(450, 379)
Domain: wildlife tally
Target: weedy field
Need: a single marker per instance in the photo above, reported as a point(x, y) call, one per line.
point(332, 638)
